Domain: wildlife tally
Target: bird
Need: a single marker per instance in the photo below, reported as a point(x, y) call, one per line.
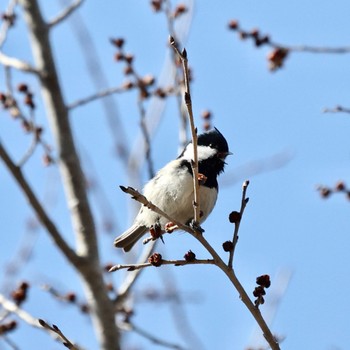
point(171, 189)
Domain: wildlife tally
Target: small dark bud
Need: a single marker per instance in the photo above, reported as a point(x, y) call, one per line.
point(118, 42)
point(160, 93)
point(47, 159)
point(128, 85)
point(184, 53)
point(206, 115)
point(71, 297)
point(156, 5)
point(234, 217)
point(3, 97)
point(325, 192)
point(243, 35)
point(28, 100)
point(129, 58)
point(128, 70)
point(340, 186)
point(119, 56)
point(233, 24)
point(190, 256)
point(206, 126)
point(22, 87)
point(227, 246)
point(42, 322)
point(255, 33)
point(259, 291)
point(277, 57)
point(179, 10)
point(155, 259)
point(264, 281)
point(84, 308)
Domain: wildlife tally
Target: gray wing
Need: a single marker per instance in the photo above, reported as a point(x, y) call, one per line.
point(127, 239)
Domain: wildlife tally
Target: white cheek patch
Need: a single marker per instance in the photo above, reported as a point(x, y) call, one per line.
point(204, 152)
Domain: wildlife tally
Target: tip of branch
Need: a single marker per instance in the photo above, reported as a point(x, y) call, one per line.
point(184, 53)
point(42, 322)
point(123, 188)
point(171, 40)
point(113, 268)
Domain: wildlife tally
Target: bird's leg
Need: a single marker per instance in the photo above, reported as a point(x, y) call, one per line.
point(195, 226)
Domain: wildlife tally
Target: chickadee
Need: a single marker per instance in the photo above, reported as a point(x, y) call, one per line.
point(172, 188)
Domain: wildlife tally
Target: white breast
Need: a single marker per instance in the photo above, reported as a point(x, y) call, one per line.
point(172, 191)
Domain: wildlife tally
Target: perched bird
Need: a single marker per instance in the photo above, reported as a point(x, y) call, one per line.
point(172, 188)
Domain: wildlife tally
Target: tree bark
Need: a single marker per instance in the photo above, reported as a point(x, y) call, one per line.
point(89, 267)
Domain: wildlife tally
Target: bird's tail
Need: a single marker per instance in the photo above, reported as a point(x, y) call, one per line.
point(127, 239)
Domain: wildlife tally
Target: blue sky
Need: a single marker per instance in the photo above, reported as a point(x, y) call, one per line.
point(287, 228)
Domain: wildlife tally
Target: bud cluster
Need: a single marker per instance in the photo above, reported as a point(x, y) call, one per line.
point(340, 186)
point(275, 58)
point(20, 294)
point(259, 291)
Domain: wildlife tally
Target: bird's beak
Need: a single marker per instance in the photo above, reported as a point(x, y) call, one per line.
point(223, 155)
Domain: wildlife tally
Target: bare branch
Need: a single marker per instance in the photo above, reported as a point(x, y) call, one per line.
point(132, 277)
point(96, 96)
point(132, 267)
point(237, 222)
point(5, 25)
point(10, 306)
point(337, 109)
point(18, 64)
point(66, 342)
point(37, 207)
point(65, 13)
point(102, 312)
point(216, 261)
point(155, 340)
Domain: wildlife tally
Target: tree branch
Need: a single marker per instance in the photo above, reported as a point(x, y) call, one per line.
point(244, 202)
point(132, 267)
point(96, 96)
point(254, 310)
point(73, 179)
point(65, 13)
point(17, 64)
point(37, 207)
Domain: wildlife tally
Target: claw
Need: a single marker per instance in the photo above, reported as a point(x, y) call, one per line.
point(196, 226)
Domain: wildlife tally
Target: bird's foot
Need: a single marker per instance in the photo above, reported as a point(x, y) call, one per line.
point(196, 226)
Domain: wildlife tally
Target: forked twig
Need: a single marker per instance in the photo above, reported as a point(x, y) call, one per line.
point(65, 341)
point(254, 310)
point(244, 202)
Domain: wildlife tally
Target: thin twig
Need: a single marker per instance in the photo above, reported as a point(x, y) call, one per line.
point(155, 340)
point(337, 109)
point(146, 136)
point(65, 13)
point(244, 202)
point(194, 164)
point(132, 267)
point(66, 342)
point(132, 277)
point(6, 25)
point(96, 96)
